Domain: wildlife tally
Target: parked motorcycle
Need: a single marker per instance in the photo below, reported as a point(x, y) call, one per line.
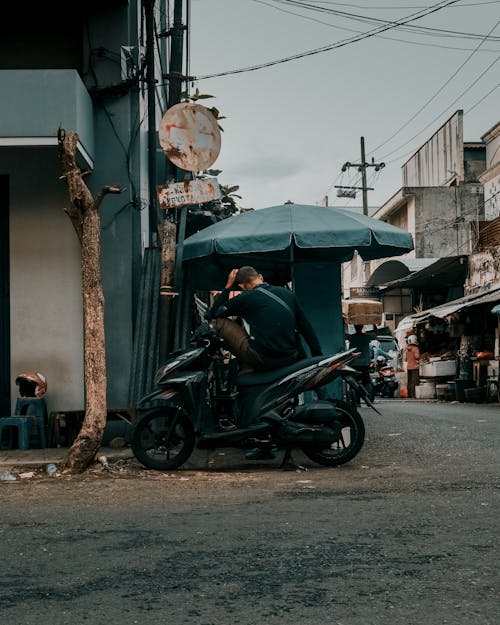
point(202, 401)
point(383, 377)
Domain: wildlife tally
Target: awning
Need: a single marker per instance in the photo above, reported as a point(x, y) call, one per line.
point(447, 272)
point(392, 270)
point(444, 310)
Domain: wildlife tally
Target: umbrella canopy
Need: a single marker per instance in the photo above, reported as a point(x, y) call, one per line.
point(273, 237)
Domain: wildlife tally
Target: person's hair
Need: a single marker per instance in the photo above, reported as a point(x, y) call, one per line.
point(358, 327)
point(246, 274)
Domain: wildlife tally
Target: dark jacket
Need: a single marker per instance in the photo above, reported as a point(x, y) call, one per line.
point(361, 341)
point(272, 328)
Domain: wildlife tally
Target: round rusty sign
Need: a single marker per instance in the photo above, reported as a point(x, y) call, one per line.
point(190, 136)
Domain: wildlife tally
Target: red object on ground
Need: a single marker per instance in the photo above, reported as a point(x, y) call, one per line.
point(403, 392)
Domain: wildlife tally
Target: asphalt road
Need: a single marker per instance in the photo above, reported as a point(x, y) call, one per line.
point(406, 533)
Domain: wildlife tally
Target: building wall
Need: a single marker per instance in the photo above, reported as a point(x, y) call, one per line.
point(442, 215)
point(45, 278)
point(491, 177)
point(120, 158)
point(439, 161)
point(484, 270)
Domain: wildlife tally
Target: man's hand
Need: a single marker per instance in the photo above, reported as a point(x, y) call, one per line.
point(231, 278)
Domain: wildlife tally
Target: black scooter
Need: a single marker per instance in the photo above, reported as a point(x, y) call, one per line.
point(201, 401)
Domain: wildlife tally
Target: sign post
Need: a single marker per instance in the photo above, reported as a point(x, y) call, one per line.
point(190, 138)
point(190, 192)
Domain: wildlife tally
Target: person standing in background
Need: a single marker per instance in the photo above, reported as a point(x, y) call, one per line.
point(361, 341)
point(412, 364)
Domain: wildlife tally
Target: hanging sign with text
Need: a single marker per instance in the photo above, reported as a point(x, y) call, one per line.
point(176, 194)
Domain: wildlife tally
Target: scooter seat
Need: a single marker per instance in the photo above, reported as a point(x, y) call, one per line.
point(267, 377)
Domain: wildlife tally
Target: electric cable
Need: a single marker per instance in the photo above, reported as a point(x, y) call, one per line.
point(392, 7)
point(431, 31)
point(434, 96)
point(483, 98)
point(351, 30)
point(474, 82)
point(338, 44)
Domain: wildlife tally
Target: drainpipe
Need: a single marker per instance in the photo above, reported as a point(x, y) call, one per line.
point(152, 130)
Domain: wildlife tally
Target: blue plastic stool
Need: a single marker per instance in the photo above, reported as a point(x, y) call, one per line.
point(23, 425)
point(34, 407)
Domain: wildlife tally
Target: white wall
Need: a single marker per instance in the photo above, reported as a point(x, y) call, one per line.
point(45, 278)
point(491, 177)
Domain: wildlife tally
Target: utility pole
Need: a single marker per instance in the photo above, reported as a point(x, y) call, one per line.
point(171, 233)
point(151, 105)
point(362, 167)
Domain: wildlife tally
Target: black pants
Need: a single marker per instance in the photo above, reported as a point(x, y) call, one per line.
point(365, 378)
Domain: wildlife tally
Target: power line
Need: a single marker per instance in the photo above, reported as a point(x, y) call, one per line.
point(483, 98)
point(372, 8)
point(434, 96)
point(439, 32)
point(446, 109)
point(352, 30)
point(412, 151)
point(338, 44)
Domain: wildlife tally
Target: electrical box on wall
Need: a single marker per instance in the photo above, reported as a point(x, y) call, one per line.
point(131, 58)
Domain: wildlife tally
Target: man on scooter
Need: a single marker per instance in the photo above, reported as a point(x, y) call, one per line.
point(269, 338)
point(361, 341)
point(272, 323)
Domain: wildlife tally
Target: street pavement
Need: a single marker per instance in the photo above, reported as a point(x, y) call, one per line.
point(406, 533)
point(37, 458)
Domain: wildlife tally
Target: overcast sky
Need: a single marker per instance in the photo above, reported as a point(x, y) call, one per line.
point(290, 127)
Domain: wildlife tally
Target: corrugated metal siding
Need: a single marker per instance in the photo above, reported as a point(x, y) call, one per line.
point(440, 160)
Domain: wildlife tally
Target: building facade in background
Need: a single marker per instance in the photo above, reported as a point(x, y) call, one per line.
point(84, 73)
point(442, 204)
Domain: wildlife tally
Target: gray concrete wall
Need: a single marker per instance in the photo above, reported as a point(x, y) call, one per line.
point(442, 215)
point(45, 278)
point(119, 153)
point(120, 158)
point(484, 269)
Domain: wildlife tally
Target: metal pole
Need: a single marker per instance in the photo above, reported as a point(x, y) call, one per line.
point(174, 75)
point(151, 82)
point(175, 90)
point(169, 306)
point(363, 177)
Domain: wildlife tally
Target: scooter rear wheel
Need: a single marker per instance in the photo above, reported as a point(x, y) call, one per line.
point(163, 439)
point(349, 443)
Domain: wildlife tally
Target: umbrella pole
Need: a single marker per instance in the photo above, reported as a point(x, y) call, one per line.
point(292, 268)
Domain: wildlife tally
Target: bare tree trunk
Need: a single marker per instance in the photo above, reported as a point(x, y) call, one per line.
point(168, 231)
point(84, 214)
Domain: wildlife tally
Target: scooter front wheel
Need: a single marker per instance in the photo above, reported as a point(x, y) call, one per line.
point(163, 439)
point(350, 440)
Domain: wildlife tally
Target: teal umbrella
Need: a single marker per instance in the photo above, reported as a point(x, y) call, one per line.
point(273, 238)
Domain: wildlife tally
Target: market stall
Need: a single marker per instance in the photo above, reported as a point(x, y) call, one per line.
point(459, 348)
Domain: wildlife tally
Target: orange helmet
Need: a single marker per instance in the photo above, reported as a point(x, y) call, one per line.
point(31, 384)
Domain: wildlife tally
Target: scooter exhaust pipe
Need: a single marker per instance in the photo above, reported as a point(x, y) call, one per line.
point(301, 434)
